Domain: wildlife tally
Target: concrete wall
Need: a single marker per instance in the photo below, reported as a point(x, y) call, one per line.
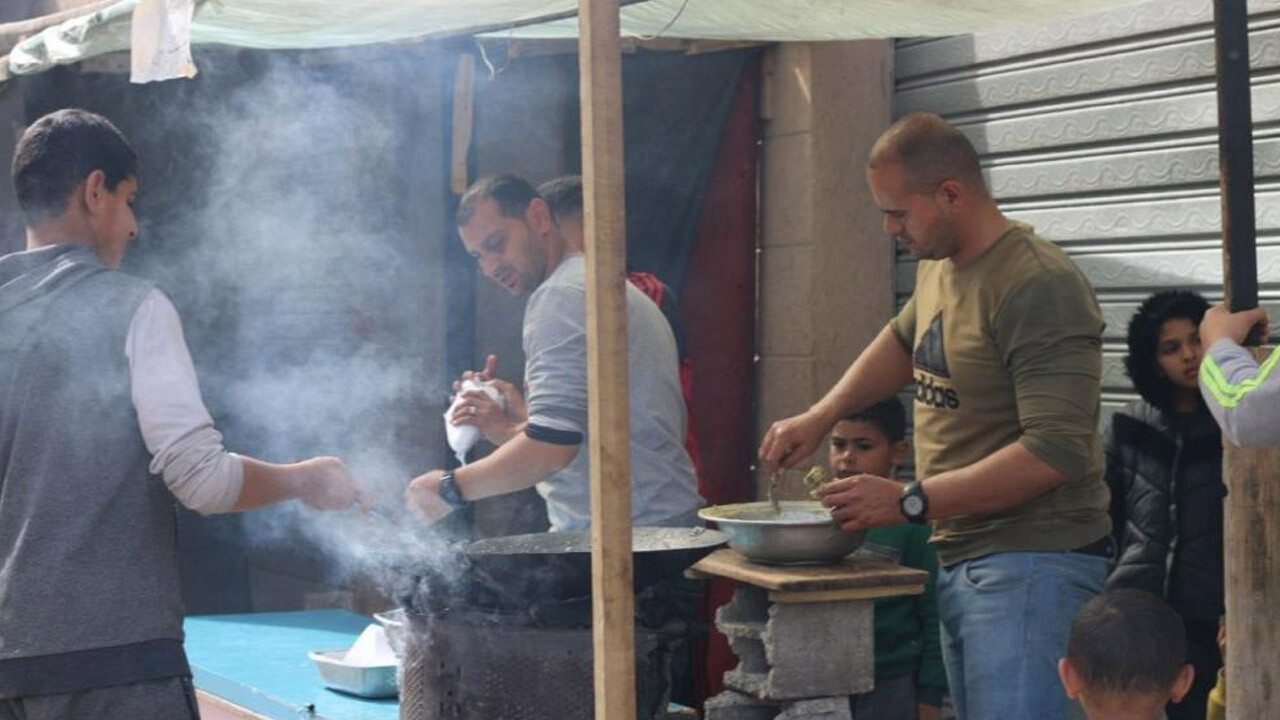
point(825, 266)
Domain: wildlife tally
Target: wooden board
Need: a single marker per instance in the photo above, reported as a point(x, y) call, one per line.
point(816, 596)
point(862, 575)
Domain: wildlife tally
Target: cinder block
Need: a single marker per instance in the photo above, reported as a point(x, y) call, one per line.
point(840, 633)
point(730, 705)
point(805, 650)
point(831, 708)
point(749, 605)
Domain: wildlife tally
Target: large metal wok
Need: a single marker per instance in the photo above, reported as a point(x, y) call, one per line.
point(518, 572)
point(557, 566)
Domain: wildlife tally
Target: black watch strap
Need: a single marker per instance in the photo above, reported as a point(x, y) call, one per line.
point(914, 504)
point(450, 493)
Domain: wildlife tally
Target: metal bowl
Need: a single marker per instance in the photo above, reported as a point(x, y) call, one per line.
point(802, 533)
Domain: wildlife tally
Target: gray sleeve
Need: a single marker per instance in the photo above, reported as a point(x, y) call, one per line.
point(556, 360)
point(1243, 396)
point(186, 449)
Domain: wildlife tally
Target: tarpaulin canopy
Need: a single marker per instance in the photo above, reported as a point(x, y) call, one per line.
point(281, 24)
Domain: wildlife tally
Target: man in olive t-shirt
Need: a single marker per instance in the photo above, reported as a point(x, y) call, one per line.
point(1002, 339)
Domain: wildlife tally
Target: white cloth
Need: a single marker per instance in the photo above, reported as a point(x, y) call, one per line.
point(186, 449)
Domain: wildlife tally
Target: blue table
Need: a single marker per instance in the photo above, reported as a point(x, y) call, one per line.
point(259, 662)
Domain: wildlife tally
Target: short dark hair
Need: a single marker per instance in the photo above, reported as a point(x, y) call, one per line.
point(563, 195)
point(888, 416)
point(1127, 641)
point(512, 194)
point(58, 151)
point(930, 150)
point(1144, 336)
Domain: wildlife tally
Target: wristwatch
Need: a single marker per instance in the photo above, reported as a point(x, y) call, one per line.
point(913, 503)
point(450, 493)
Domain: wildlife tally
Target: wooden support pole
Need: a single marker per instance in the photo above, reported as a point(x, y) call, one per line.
point(613, 621)
point(1252, 535)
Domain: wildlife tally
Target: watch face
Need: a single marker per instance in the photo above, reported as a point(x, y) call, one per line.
point(912, 505)
point(449, 492)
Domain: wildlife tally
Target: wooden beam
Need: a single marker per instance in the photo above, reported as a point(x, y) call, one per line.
point(463, 122)
point(613, 615)
point(1252, 512)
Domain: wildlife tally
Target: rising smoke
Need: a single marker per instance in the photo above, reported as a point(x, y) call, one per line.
point(311, 299)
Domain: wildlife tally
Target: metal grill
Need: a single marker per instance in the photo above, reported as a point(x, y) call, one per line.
point(466, 669)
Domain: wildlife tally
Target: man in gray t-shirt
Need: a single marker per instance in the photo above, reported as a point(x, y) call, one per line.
point(510, 231)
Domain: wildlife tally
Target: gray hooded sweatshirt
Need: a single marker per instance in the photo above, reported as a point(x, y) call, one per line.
point(1243, 396)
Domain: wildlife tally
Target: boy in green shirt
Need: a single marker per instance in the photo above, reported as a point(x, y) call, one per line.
point(910, 678)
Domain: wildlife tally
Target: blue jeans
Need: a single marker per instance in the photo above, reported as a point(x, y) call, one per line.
point(1005, 622)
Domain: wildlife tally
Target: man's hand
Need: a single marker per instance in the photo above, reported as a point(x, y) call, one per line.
point(862, 501)
point(794, 439)
point(423, 498)
point(326, 483)
point(485, 375)
point(498, 424)
point(928, 712)
point(1219, 323)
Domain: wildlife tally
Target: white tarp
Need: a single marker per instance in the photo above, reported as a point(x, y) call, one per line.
point(283, 24)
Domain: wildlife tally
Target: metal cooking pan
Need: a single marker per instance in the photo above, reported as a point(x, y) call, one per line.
point(521, 569)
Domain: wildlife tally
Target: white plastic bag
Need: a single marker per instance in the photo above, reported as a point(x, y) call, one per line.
point(464, 437)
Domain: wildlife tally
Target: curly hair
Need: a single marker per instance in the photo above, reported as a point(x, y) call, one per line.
point(1144, 335)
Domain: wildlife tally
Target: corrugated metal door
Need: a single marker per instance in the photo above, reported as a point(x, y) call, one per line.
point(1101, 132)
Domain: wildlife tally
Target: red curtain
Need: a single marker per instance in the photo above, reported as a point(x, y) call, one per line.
point(718, 309)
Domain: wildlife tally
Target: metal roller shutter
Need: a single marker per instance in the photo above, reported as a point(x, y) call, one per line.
point(1101, 132)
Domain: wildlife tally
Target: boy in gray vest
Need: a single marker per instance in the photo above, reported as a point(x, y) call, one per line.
point(101, 427)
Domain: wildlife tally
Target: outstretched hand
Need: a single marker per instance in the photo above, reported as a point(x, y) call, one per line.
point(327, 484)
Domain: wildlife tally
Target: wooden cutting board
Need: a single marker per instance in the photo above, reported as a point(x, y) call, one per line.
point(852, 579)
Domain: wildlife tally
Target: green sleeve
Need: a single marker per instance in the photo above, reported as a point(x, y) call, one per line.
point(931, 680)
point(1049, 331)
point(903, 325)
